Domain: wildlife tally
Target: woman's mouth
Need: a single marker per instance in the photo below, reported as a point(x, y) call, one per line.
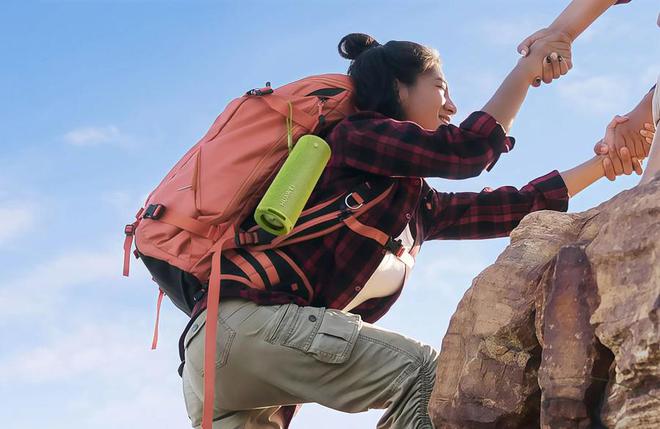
point(444, 119)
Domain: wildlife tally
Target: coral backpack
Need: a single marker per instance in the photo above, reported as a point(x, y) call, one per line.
point(197, 210)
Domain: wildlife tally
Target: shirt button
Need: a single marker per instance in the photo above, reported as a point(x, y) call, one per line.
point(312, 318)
point(194, 327)
point(408, 215)
point(358, 288)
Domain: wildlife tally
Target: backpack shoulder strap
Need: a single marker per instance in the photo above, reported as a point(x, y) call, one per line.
point(329, 216)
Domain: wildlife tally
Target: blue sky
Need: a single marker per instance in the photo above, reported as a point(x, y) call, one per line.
point(98, 99)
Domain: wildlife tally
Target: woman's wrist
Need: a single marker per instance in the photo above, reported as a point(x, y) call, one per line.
point(585, 174)
point(505, 103)
point(525, 70)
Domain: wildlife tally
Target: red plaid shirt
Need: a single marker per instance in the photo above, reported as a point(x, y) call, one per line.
point(368, 144)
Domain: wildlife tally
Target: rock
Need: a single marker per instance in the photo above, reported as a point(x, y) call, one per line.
point(562, 330)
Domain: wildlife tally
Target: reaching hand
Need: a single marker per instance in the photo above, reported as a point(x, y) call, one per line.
point(625, 158)
point(631, 134)
point(547, 54)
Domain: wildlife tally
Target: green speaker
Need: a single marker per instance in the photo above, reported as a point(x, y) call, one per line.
point(281, 205)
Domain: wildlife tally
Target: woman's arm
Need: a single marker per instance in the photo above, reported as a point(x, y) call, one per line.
point(376, 144)
point(585, 174)
point(506, 102)
point(496, 212)
point(588, 172)
point(490, 213)
point(573, 20)
point(635, 134)
point(579, 15)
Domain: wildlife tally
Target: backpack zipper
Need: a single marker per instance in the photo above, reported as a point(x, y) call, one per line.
point(321, 102)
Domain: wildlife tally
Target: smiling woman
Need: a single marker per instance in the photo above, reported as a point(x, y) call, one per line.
point(400, 79)
point(274, 354)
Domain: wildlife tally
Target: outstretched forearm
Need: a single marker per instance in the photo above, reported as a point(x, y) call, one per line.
point(579, 15)
point(506, 102)
point(582, 176)
point(643, 112)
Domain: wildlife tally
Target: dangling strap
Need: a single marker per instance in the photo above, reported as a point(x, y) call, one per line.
point(129, 230)
point(289, 128)
point(154, 342)
point(280, 104)
point(210, 341)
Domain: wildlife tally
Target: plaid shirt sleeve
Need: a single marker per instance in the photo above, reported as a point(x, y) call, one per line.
point(492, 212)
point(376, 144)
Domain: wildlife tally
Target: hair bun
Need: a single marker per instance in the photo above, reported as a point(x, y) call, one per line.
point(352, 45)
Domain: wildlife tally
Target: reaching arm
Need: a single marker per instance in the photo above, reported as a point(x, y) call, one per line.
point(374, 143)
point(506, 102)
point(495, 213)
point(573, 20)
point(582, 176)
point(580, 14)
point(490, 213)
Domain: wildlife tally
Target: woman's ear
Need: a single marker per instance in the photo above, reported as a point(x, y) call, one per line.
point(403, 91)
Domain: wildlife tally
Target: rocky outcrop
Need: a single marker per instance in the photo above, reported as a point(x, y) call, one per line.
point(562, 330)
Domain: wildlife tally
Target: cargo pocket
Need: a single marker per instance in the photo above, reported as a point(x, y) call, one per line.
point(195, 338)
point(328, 335)
point(336, 337)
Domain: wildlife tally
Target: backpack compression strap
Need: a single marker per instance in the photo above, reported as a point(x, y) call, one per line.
point(327, 217)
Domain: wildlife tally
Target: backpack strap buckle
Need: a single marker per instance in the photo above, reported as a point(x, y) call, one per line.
point(395, 246)
point(129, 229)
point(357, 198)
point(260, 91)
point(154, 211)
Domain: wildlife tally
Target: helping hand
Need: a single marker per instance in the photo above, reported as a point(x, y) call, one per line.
point(629, 134)
point(553, 49)
point(619, 148)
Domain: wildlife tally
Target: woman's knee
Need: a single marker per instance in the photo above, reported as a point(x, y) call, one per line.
point(417, 352)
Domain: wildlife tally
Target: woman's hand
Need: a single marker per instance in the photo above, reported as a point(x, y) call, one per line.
point(623, 160)
point(547, 55)
point(635, 134)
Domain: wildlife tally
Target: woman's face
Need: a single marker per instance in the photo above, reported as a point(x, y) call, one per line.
point(427, 102)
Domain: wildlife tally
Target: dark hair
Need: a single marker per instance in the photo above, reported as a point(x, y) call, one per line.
point(375, 68)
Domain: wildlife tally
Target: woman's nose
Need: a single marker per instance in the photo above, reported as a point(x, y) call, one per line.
point(450, 107)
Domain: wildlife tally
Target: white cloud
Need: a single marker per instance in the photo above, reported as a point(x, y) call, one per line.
point(92, 136)
point(598, 94)
point(497, 33)
point(48, 283)
point(98, 136)
point(16, 218)
point(130, 384)
point(94, 349)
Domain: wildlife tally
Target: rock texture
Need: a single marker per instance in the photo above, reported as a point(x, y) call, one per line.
point(562, 330)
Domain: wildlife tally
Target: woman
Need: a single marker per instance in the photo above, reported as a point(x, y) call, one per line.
point(272, 356)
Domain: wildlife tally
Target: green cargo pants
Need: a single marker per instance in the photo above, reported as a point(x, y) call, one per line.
point(276, 355)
